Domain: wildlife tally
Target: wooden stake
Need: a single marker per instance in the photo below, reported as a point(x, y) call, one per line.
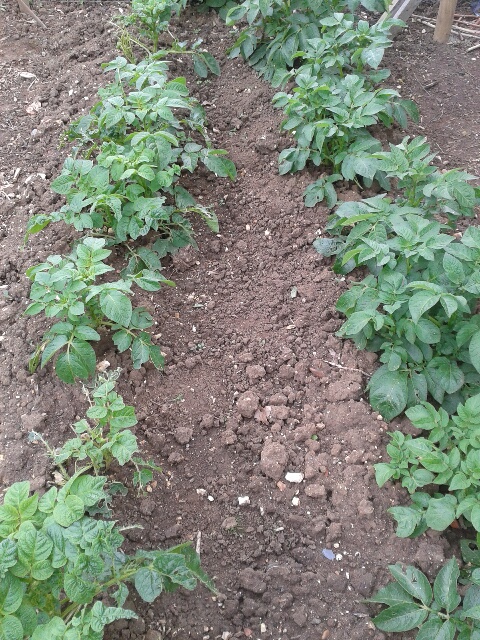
point(401, 9)
point(25, 9)
point(444, 23)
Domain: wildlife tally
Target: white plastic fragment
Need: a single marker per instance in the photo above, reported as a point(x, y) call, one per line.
point(295, 501)
point(243, 500)
point(294, 477)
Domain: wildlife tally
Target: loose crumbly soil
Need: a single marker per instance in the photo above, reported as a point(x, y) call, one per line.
point(256, 383)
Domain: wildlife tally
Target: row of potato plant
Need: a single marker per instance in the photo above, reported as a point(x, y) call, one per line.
point(121, 184)
point(333, 60)
point(64, 575)
point(417, 308)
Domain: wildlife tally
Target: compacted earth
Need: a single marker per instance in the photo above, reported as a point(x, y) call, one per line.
point(256, 384)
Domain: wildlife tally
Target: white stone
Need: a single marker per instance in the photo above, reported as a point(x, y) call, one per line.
point(294, 477)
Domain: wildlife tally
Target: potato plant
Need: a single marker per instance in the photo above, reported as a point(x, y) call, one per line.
point(103, 437)
point(346, 45)
point(144, 133)
point(64, 574)
point(421, 184)
point(333, 58)
point(122, 185)
point(146, 22)
point(59, 566)
point(67, 289)
point(448, 458)
point(328, 118)
point(445, 611)
point(416, 308)
point(152, 17)
point(417, 305)
point(277, 29)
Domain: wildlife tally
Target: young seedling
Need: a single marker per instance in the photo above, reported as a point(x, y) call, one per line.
point(103, 436)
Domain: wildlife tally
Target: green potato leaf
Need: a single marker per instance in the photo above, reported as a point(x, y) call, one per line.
point(400, 617)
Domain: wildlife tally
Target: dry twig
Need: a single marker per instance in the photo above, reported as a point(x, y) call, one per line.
point(468, 33)
point(340, 366)
point(199, 538)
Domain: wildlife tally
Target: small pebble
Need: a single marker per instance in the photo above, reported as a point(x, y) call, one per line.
point(294, 477)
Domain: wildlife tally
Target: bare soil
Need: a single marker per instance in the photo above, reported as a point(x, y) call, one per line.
point(256, 383)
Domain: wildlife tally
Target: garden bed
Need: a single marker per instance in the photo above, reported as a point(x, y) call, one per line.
point(248, 333)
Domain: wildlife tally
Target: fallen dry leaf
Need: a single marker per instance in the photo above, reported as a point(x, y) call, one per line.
point(33, 108)
point(58, 479)
point(102, 366)
point(317, 373)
